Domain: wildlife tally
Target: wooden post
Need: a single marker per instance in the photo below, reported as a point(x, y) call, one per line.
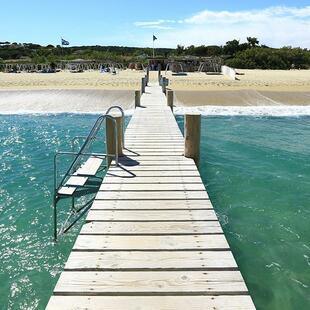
point(147, 74)
point(137, 98)
point(159, 72)
point(192, 136)
point(111, 147)
point(146, 80)
point(169, 94)
point(143, 85)
point(164, 84)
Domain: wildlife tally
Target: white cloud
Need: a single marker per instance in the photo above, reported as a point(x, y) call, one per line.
point(207, 16)
point(156, 23)
point(274, 26)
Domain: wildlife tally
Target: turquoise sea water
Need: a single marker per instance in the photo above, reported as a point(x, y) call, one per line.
point(257, 173)
point(256, 170)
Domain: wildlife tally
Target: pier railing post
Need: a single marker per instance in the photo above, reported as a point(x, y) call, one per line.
point(192, 129)
point(110, 138)
point(159, 72)
point(137, 98)
point(147, 75)
point(164, 85)
point(169, 94)
point(143, 85)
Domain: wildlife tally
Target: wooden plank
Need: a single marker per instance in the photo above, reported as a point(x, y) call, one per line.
point(150, 195)
point(158, 243)
point(152, 168)
point(161, 137)
point(138, 162)
point(152, 187)
point(150, 140)
point(186, 260)
point(151, 215)
point(157, 148)
point(139, 144)
point(128, 174)
point(152, 180)
point(126, 283)
point(152, 228)
point(146, 158)
point(150, 302)
point(151, 204)
point(129, 152)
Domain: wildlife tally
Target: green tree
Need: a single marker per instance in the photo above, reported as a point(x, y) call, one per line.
point(253, 42)
point(231, 47)
point(180, 50)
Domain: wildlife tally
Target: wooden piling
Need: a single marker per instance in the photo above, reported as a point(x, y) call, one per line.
point(143, 85)
point(192, 129)
point(110, 140)
point(164, 85)
point(137, 98)
point(169, 94)
point(147, 75)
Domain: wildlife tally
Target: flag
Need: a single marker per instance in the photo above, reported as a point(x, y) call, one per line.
point(64, 42)
point(154, 38)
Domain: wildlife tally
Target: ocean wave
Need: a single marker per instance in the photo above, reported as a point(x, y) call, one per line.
point(128, 112)
point(280, 111)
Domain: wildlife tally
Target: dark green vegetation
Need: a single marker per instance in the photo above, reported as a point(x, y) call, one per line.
point(249, 55)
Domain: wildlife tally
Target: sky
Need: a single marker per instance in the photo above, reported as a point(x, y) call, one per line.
point(275, 23)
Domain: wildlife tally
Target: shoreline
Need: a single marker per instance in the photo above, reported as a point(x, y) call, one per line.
point(94, 92)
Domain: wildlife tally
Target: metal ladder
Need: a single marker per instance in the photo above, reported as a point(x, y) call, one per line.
point(82, 177)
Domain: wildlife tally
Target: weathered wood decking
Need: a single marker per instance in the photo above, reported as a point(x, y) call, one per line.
point(151, 239)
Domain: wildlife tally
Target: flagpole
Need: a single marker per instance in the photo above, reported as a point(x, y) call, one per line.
point(153, 47)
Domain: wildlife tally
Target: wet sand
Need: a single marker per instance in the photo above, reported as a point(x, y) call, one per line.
point(246, 97)
point(59, 101)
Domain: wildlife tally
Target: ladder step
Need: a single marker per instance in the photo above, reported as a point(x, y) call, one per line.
point(90, 167)
point(66, 190)
point(76, 181)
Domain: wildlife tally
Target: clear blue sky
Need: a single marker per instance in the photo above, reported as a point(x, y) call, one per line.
point(173, 22)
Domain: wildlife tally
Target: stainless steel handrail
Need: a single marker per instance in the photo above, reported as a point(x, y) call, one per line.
point(82, 152)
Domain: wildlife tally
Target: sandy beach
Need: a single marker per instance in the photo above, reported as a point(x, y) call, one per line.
point(265, 80)
point(94, 92)
point(126, 79)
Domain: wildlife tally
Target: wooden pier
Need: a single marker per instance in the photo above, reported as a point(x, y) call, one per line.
point(151, 240)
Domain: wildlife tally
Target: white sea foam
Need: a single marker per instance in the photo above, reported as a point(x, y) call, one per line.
point(246, 111)
point(39, 113)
